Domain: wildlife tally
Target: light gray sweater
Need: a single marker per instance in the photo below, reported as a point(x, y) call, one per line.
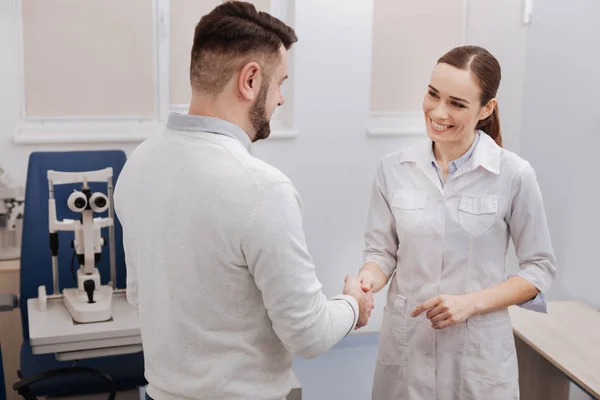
point(218, 266)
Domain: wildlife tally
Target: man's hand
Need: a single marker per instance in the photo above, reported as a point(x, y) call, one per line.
point(366, 303)
point(446, 310)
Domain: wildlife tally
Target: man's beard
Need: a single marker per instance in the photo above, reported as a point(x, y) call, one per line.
point(258, 115)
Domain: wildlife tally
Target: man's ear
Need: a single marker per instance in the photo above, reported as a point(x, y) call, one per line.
point(488, 109)
point(250, 80)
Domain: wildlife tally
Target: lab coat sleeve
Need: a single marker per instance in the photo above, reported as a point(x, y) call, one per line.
point(381, 240)
point(306, 322)
point(530, 234)
point(120, 211)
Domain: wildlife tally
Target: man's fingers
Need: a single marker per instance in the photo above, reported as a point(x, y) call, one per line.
point(351, 283)
point(425, 306)
point(362, 321)
point(363, 318)
point(348, 279)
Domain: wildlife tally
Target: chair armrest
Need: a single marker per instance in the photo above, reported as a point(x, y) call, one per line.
point(8, 302)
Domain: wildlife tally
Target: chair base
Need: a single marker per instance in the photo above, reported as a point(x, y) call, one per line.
point(127, 372)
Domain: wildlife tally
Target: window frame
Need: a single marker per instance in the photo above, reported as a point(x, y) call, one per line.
point(384, 124)
point(132, 128)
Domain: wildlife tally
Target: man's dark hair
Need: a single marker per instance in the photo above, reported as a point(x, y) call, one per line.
point(231, 35)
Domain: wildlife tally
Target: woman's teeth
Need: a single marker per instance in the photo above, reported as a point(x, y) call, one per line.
point(439, 127)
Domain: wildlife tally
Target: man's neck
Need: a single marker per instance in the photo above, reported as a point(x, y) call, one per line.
point(216, 108)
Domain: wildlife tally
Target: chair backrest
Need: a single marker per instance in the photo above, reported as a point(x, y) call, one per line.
point(36, 260)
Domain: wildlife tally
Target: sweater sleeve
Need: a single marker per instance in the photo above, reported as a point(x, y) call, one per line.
point(307, 323)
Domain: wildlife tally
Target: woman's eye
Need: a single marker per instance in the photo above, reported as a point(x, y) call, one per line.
point(459, 105)
point(432, 94)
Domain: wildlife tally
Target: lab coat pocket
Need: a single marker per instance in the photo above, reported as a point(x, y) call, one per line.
point(408, 207)
point(392, 340)
point(490, 360)
point(477, 213)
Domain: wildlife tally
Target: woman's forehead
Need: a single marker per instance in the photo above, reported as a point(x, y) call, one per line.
point(451, 81)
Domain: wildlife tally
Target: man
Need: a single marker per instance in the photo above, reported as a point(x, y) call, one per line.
point(216, 258)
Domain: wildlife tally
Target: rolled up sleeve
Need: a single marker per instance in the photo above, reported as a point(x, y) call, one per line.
point(381, 240)
point(531, 236)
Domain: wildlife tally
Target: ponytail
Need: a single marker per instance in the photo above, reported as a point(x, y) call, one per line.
point(491, 126)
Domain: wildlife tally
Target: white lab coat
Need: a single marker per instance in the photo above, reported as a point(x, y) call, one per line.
point(452, 240)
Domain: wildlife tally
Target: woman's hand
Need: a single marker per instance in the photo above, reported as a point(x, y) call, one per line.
point(446, 310)
point(366, 280)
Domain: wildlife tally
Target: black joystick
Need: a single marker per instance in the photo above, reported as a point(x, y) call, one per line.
point(89, 286)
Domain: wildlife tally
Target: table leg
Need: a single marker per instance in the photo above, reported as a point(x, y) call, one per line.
point(538, 378)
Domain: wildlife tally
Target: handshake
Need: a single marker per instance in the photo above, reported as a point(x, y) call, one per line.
point(361, 289)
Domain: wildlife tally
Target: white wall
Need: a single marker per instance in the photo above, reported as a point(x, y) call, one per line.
point(560, 139)
point(560, 136)
point(497, 26)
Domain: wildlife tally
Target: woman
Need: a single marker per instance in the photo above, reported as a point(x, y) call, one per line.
point(441, 215)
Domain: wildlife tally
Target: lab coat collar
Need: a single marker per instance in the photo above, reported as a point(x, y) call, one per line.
point(198, 123)
point(486, 154)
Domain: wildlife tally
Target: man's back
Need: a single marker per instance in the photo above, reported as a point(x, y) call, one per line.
point(201, 313)
point(218, 267)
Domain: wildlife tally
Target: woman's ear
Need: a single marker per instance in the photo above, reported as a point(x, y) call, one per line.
point(488, 109)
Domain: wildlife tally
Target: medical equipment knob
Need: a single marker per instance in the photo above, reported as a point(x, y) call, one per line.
point(99, 202)
point(77, 201)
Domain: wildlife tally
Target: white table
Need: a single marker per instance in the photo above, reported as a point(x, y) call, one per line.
point(54, 331)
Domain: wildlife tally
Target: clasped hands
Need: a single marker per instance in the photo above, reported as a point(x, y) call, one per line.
point(353, 286)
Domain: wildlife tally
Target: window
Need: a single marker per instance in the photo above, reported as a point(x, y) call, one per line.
point(87, 58)
point(112, 70)
point(408, 38)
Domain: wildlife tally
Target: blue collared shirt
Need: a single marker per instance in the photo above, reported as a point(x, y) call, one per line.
point(453, 166)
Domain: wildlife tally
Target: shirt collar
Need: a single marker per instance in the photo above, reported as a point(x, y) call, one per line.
point(486, 153)
point(198, 123)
